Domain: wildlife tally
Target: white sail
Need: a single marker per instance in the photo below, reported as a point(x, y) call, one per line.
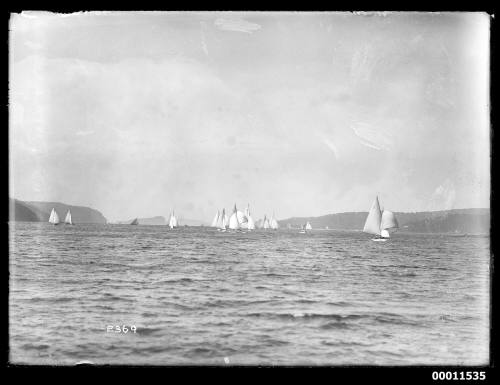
point(241, 217)
point(222, 223)
point(250, 224)
point(234, 222)
point(216, 219)
point(388, 221)
point(308, 226)
point(54, 218)
point(265, 224)
point(372, 224)
point(173, 221)
point(68, 218)
point(384, 233)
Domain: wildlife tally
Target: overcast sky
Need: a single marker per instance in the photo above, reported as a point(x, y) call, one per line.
point(297, 113)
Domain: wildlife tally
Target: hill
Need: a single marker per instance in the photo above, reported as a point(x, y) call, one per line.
point(159, 220)
point(470, 221)
point(21, 211)
point(153, 221)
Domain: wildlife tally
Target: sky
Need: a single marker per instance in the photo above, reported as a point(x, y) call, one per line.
point(301, 114)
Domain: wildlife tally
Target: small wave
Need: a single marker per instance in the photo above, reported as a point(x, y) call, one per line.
point(395, 319)
point(112, 297)
point(149, 331)
point(274, 342)
point(30, 346)
point(340, 303)
point(151, 350)
point(344, 344)
point(309, 316)
point(234, 302)
point(180, 279)
point(305, 301)
point(275, 275)
point(53, 300)
point(149, 315)
point(335, 325)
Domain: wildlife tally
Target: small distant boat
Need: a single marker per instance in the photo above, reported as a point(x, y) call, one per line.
point(380, 222)
point(308, 226)
point(135, 222)
point(289, 226)
point(68, 220)
point(303, 229)
point(54, 218)
point(172, 221)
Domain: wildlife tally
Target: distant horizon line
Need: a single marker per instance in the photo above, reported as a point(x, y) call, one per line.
point(290, 217)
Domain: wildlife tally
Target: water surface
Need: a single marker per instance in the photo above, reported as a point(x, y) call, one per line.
point(198, 296)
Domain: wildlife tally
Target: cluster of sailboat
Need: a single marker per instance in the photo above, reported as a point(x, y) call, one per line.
point(242, 221)
point(54, 217)
point(379, 222)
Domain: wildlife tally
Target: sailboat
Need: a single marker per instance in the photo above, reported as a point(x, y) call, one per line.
point(265, 224)
point(68, 220)
point(173, 220)
point(54, 218)
point(234, 222)
point(222, 221)
point(380, 223)
point(273, 223)
point(135, 222)
point(308, 226)
point(216, 219)
point(250, 222)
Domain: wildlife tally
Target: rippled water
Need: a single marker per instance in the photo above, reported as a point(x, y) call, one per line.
point(198, 296)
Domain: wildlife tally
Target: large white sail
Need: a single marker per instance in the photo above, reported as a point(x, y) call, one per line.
point(388, 223)
point(241, 217)
point(308, 226)
point(54, 218)
point(216, 219)
point(173, 221)
point(68, 218)
point(234, 222)
point(372, 224)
